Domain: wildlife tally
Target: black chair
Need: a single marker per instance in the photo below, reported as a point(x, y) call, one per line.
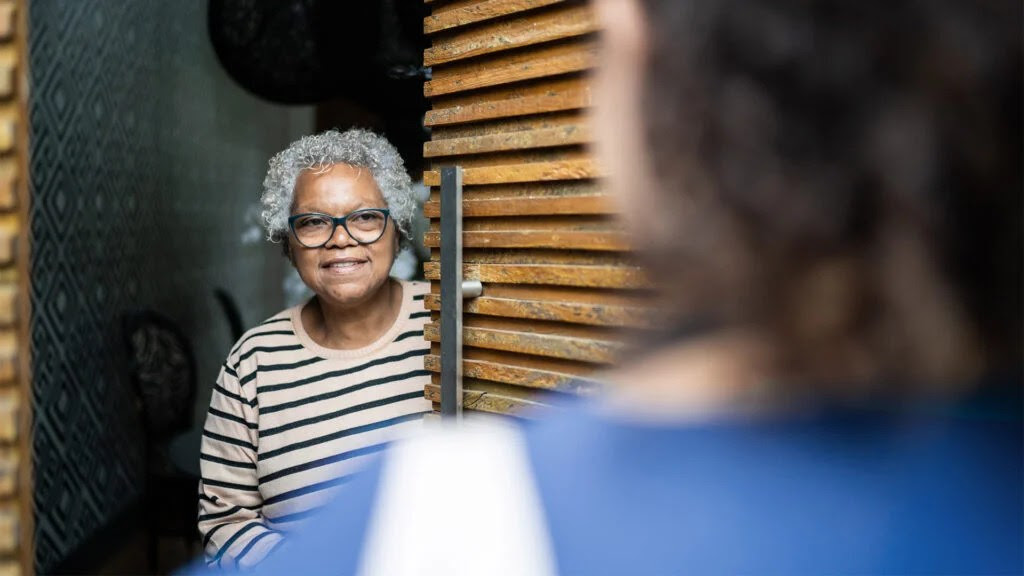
point(231, 313)
point(163, 372)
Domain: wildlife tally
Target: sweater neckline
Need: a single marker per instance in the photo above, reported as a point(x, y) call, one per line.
point(295, 314)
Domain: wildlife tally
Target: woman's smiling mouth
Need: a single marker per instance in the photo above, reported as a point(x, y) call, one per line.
point(343, 265)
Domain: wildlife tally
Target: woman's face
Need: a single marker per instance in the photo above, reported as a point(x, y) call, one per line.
point(342, 272)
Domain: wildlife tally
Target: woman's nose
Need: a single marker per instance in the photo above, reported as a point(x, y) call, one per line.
point(340, 237)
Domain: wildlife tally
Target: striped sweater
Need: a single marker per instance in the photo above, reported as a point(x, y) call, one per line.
point(290, 420)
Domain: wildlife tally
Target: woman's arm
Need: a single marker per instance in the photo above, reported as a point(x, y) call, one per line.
point(231, 521)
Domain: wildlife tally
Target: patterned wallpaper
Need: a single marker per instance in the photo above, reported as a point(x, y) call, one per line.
point(145, 163)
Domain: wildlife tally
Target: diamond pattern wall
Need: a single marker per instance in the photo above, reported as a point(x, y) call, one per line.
point(144, 160)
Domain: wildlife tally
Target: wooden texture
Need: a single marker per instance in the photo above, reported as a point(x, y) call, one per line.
point(512, 101)
point(481, 401)
point(527, 206)
point(479, 12)
point(510, 94)
point(554, 275)
point(574, 312)
point(520, 342)
point(8, 20)
point(557, 23)
point(577, 240)
point(8, 184)
point(519, 375)
point(8, 472)
point(10, 405)
point(532, 172)
point(542, 138)
point(16, 526)
point(9, 531)
point(512, 67)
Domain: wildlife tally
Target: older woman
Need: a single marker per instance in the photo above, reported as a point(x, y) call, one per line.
point(308, 394)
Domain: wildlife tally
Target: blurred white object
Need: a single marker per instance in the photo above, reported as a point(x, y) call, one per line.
point(459, 501)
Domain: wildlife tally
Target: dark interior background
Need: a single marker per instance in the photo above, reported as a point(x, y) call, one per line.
point(148, 149)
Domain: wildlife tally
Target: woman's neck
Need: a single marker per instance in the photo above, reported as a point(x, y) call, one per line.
point(351, 327)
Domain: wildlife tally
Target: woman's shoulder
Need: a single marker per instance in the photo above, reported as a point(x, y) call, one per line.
point(276, 331)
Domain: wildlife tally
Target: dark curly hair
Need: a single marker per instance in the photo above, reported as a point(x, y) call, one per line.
point(837, 169)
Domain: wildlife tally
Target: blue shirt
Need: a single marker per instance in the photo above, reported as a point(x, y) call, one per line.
point(837, 491)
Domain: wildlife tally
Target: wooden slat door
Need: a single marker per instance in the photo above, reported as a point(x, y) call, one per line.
point(508, 95)
point(16, 545)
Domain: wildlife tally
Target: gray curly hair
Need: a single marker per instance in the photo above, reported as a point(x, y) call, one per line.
point(355, 147)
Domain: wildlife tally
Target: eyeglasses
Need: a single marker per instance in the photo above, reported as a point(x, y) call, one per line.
point(314, 229)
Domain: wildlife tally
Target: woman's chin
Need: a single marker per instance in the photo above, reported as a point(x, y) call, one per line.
point(350, 291)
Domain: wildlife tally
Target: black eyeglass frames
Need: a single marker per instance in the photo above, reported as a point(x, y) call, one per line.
point(314, 229)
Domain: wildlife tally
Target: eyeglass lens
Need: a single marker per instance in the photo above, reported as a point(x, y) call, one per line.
point(364, 226)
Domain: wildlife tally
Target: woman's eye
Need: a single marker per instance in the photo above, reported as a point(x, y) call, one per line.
point(367, 216)
point(312, 222)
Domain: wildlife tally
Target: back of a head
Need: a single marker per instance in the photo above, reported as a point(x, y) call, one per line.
point(845, 176)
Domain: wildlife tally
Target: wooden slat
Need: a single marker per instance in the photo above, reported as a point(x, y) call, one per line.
point(528, 206)
point(557, 24)
point(8, 528)
point(543, 256)
point(9, 405)
point(528, 123)
point(522, 89)
point(548, 223)
point(8, 243)
point(8, 22)
point(564, 188)
point(555, 96)
point(573, 312)
point(559, 156)
point(533, 172)
point(8, 134)
point(553, 346)
point(509, 390)
point(8, 181)
point(556, 275)
point(8, 473)
point(479, 12)
point(519, 325)
point(633, 299)
point(544, 138)
point(8, 305)
point(573, 240)
point(515, 67)
point(8, 80)
point(582, 370)
point(527, 377)
point(8, 356)
point(487, 401)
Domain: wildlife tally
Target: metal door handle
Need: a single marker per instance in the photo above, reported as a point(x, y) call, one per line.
point(453, 291)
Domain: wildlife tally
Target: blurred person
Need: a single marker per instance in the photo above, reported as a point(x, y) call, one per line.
point(827, 194)
point(305, 397)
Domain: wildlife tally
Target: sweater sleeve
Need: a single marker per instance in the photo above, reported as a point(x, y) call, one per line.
point(234, 531)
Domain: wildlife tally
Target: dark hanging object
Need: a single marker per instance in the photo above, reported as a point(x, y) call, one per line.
point(308, 51)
